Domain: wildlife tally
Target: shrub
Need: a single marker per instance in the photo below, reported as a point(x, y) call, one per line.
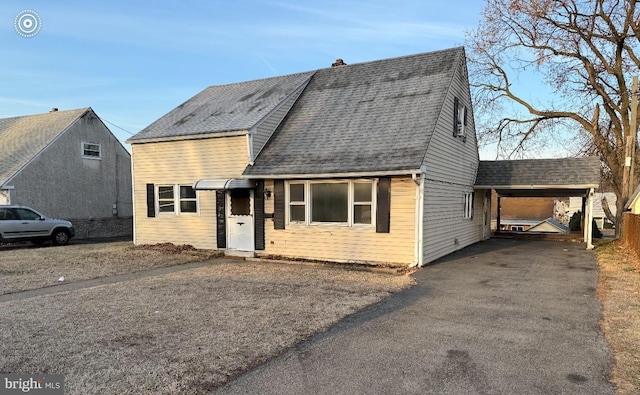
point(595, 232)
point(575, 223)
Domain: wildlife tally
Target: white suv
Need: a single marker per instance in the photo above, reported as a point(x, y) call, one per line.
point(20, 223)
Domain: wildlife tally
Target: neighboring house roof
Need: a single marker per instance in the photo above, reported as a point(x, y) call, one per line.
point(575, 204)
point(554, 223)
point(633, 198)
point(23, 138)
point(522, 222)
point(554, 175)
point(224, 108)
point(368, 117)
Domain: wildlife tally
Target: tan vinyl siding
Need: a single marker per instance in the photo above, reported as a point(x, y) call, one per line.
point(451, 170)
point(183, 163)
point(635, 207)
point(353, 244)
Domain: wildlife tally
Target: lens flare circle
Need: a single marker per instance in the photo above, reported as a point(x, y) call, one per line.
point(27, 23)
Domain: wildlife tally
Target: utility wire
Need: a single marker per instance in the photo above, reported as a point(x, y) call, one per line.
point(123, 129)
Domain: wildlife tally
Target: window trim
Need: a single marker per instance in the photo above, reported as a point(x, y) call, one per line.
point(460, 119)
point(176, 200)
point(303, 203)
point(181, 199)
point(469, 198)
point(351, 203)
point(83, 150)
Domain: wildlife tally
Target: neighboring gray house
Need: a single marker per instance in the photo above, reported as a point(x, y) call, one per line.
point(67, 164)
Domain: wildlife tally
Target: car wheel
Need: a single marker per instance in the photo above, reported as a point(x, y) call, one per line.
point(60, 237)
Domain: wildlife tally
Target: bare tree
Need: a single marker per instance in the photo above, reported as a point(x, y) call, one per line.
point(585, 51)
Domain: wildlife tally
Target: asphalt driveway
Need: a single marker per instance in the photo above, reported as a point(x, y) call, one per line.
point(499, 317)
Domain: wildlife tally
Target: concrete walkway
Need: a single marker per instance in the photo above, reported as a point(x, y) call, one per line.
point(500, 317)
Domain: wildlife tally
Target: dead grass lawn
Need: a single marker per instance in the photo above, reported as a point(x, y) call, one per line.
point(619, 293)
point(180, 333)
point(23, 268)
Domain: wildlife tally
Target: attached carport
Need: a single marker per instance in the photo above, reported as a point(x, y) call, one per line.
point(565, 177)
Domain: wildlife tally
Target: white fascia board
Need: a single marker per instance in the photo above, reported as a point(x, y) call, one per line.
point(233, 133)
point(570, 186)
point(334, 175)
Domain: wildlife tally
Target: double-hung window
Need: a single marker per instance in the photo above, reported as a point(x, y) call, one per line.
point(340, 202)
point(188, 199)
point(177, 199)
point(297, 203)
point(166, 199)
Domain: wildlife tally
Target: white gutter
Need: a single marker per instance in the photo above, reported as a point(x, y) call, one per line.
point(589, 227)
point(133, 199)
point(187, 137)
point(250, 148)
point(332, 175)
point(419, 218)
point(536, 186)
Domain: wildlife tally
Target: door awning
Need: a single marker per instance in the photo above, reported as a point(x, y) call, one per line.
point(223, 183)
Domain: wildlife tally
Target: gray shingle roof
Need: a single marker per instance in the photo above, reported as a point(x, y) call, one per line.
point(224, 108)
point(22, 138)
point(366, 117)
point(550, 172)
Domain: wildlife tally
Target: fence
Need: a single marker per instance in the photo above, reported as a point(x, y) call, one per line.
point(631, 231)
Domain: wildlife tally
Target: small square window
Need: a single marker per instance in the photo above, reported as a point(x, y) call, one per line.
point(91, 150)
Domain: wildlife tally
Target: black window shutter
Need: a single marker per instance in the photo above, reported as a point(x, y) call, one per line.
point(258, 202)
point(383, 215)
point(221, 219)
point(455, 117)
point(279, 204)
point(151, 200)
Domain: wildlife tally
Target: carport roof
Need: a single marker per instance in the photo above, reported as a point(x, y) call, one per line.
point(540, 177)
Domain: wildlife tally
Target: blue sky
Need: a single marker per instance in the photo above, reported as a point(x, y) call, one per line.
point(134, 61)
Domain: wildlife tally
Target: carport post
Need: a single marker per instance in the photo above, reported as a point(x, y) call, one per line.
point(589, 217)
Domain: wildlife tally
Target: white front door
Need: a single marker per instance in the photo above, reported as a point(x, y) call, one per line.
point(240, 219)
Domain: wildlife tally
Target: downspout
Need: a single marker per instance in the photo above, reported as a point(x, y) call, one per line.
point(589, 226)
point(133, 197)
point(419, 218)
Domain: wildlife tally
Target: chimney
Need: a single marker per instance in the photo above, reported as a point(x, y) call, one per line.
point(54, 109)
point(339, 62)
